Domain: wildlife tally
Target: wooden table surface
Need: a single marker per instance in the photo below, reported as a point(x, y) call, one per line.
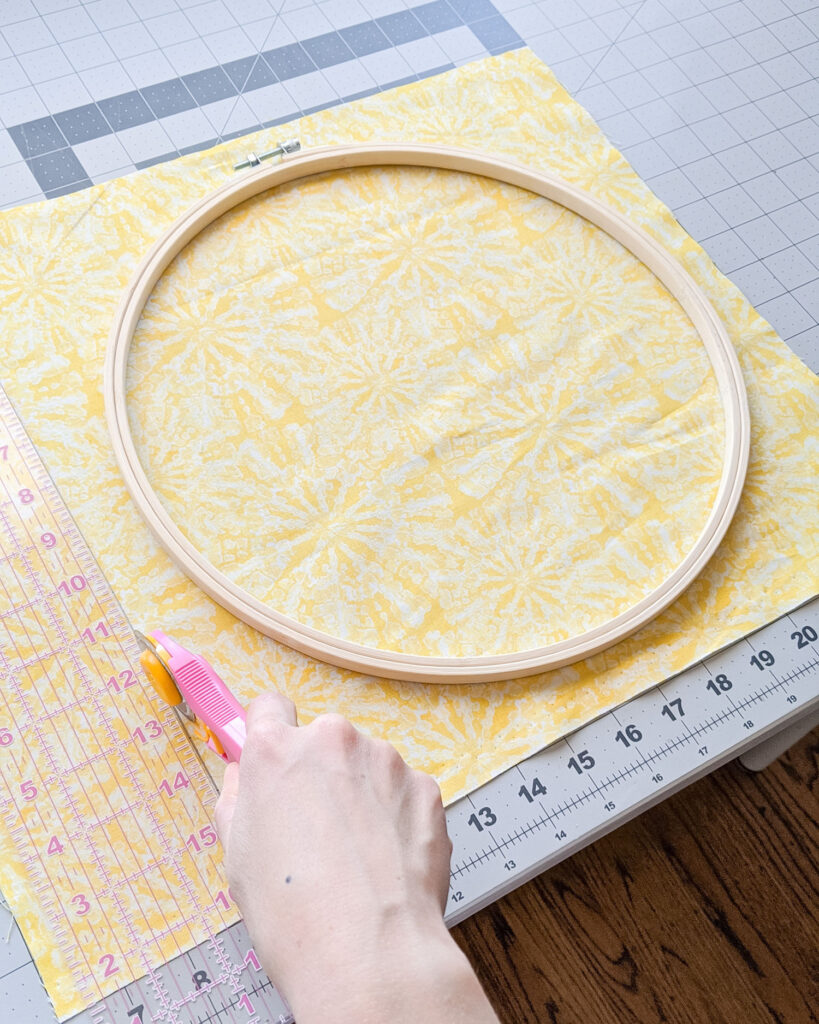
point(704, 909)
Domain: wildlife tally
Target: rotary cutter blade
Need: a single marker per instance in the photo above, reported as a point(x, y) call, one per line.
point(190, 685)
point(154, 661)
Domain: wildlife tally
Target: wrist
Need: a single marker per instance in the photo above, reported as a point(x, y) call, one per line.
point(414, 972)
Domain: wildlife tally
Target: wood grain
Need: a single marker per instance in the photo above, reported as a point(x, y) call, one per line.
point(705, 909)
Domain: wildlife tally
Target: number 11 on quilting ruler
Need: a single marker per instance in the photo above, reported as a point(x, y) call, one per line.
point(109, 857)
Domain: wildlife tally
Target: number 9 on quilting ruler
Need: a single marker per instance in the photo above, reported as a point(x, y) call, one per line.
point(110, 861)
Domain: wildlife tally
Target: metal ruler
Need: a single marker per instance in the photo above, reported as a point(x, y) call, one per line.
point(504, 833)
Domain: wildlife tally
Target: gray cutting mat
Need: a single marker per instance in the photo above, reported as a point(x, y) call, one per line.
point(715, 103)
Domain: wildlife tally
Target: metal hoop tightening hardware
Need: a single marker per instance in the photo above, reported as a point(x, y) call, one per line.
point(282, 149)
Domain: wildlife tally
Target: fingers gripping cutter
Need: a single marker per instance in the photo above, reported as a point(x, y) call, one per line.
point(191, 686)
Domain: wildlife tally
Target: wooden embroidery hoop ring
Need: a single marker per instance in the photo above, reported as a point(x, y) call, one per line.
point(372, 660)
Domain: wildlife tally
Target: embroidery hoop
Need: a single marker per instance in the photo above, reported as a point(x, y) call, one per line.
point(372, 660)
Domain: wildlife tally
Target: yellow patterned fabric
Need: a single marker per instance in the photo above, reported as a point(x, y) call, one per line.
point(419, 410)
point(429, 427)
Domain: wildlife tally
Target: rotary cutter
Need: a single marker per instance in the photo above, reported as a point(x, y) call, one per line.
point(194, 690)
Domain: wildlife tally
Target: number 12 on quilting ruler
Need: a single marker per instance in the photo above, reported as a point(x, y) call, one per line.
point(109, 856)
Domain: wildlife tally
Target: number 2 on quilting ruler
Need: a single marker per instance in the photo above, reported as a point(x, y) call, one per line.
point(106, 810)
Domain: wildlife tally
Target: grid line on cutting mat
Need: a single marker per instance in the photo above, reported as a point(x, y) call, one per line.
point(714, 102)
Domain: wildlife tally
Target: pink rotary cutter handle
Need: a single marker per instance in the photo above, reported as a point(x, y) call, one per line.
point(191, 685)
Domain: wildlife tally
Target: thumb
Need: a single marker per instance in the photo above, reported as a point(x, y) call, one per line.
point(226, 804)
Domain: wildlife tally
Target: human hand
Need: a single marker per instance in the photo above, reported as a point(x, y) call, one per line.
point(338, 857)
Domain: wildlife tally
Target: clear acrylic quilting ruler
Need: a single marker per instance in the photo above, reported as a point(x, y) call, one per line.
point(110, 858)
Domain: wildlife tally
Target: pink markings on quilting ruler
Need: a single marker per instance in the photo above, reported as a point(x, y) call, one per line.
point(84, 753)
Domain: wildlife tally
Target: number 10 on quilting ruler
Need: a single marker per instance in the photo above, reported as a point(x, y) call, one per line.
point(110, 859)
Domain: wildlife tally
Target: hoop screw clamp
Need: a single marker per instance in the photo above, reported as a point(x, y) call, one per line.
point(282, 149)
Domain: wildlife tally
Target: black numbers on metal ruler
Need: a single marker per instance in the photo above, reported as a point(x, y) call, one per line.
point(721, 684)
point(582, 762)
point(631, 734)
point(673, 709)
point(538, 789)
point(484, 818)
point(804, 636)
point(706, 716)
